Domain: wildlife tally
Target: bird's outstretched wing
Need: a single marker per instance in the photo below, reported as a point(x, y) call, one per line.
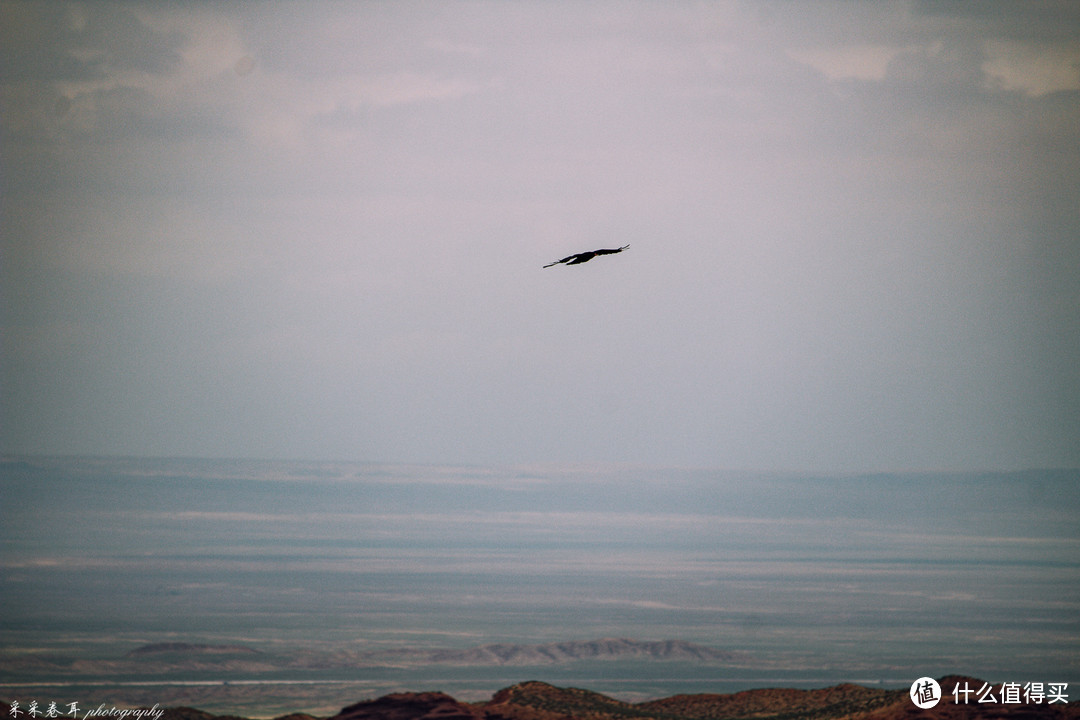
point(611, 251)
point(565, 259)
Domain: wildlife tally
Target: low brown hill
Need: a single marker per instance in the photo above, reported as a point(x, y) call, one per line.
point(540, 701)
point(411, 706)
point(839, 701)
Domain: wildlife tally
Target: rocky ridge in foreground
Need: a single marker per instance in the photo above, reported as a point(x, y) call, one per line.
point(540, 701)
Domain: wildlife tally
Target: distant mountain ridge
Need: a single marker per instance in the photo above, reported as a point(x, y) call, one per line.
point(562, 652)
point(177, 654)
point(191, 648)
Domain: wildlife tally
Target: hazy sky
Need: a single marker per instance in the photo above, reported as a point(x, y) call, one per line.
point(316, 230)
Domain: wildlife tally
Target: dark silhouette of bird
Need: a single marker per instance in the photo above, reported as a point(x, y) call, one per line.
point(586, 256)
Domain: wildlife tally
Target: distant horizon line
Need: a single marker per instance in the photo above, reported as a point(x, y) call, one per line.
point(579, 465)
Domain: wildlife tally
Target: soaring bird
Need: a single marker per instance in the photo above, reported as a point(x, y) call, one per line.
point(586, 256)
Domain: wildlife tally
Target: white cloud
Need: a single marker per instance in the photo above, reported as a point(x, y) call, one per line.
point(210, 44)
point(1034, 69)
point(849, 62)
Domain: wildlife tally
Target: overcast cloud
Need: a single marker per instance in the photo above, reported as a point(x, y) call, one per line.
point(316, 230)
